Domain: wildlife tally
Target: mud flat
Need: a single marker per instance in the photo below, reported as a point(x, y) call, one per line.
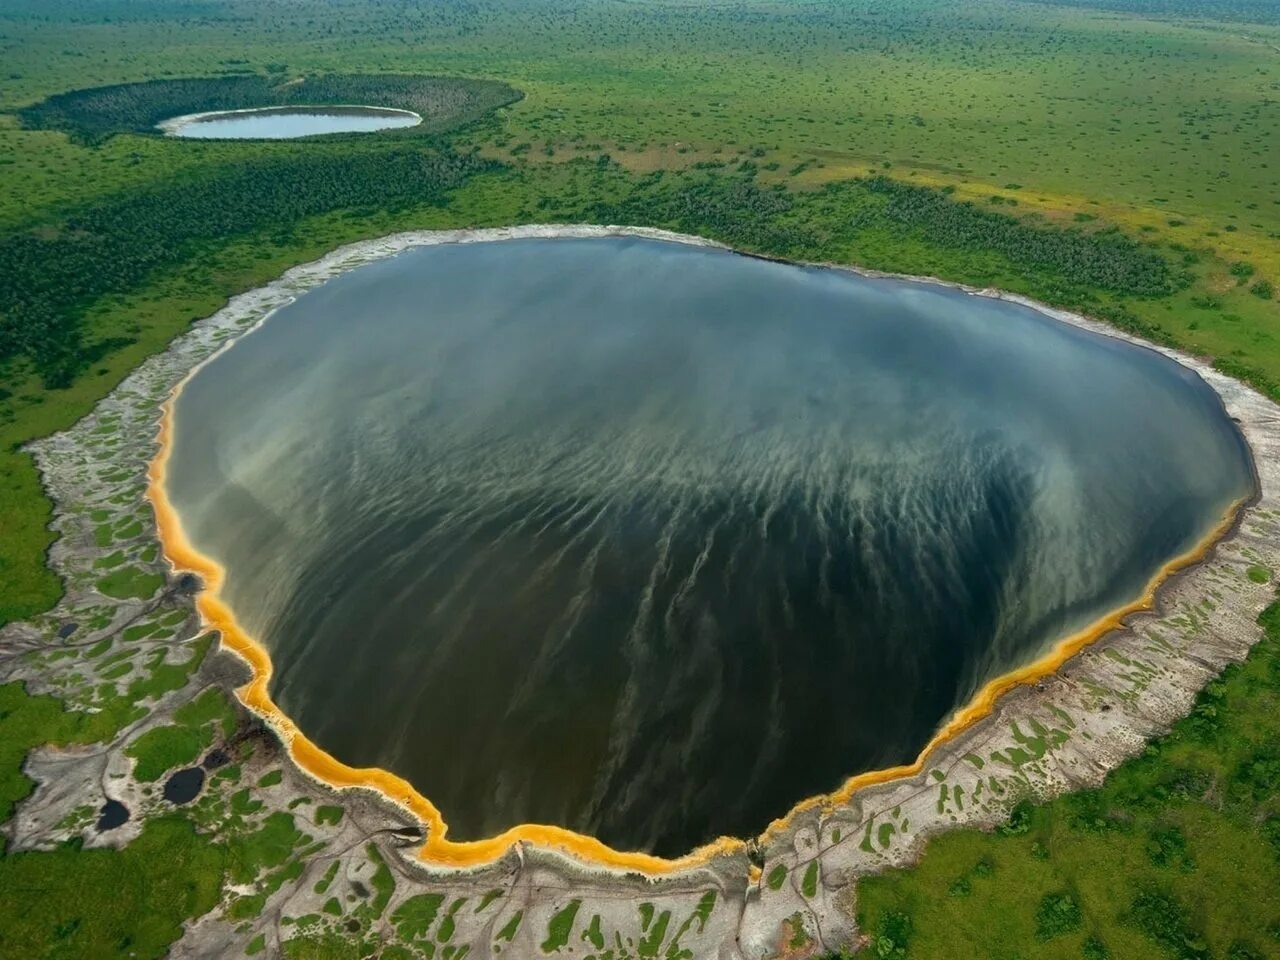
point(1058, 726)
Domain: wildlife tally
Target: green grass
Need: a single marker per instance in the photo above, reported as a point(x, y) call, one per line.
point(73, 903)
point(130, 583)
point(160, 750)
point(28, 721)
point(29, 586)
point(196, 725)
point(921, 85)
point(560, 926)
point(1177, 855)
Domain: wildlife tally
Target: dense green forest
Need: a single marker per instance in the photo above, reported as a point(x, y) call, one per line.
point(48, 275)
point(93, 114)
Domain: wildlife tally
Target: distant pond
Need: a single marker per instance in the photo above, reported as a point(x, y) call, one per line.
point(653, 541)
point(285, 123)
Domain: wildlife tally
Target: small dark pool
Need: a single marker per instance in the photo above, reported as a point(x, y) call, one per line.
point(184, 786)
point(113, 814)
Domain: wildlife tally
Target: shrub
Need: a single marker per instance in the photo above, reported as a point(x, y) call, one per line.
point(1057, 914)
point(892, 936)
point(1165, 922)
point(1019, 820)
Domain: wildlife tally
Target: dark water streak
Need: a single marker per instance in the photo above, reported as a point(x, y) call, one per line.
point(652, 541)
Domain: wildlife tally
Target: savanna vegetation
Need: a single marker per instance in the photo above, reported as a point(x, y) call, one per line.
point(94, 114)
point(47, 275)
point(1120, 157)
point(1176, 857)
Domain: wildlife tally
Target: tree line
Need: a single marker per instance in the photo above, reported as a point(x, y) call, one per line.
point(1067, 264)
point(93, 114)
point(48, 276)
point(1102, 259)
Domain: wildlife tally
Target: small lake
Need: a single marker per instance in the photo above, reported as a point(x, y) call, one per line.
point(286, 123)
point(653, 541)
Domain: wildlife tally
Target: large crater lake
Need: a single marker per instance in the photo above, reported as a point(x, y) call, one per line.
point(653, 541)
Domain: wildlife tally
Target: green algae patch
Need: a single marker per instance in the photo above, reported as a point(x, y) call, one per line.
point(702, 913)
point(448, 924)
point(652, 941)
point(328, 814)
point(413, 918)
point(130, 583)
point(776, 877)
point(809, 887)
point(560, 926)
point(509, 929)
point(322, 885)
point(593, 934)
point(196, 726)
point(384, 885)
point(109, 562)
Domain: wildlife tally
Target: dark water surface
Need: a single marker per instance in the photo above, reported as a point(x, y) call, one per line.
point(286, 123)
point(184, 786)
point(653, 541)
point(112, 815)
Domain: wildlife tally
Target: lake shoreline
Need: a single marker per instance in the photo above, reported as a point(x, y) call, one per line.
point(174, 125)
point(471, 853)
point(1099, 706)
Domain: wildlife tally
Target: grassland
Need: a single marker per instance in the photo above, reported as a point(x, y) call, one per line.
point(1073, 102)
point(747, 121)
point(1177, 855)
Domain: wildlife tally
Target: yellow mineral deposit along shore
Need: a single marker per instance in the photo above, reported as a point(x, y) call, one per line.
point(315, 761)
point(984, 701)
point(438, 849)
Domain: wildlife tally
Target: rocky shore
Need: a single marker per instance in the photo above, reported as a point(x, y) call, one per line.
point(128, 628)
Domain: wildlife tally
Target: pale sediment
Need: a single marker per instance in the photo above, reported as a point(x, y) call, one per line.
point(173, 125)
point(1062, 723)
